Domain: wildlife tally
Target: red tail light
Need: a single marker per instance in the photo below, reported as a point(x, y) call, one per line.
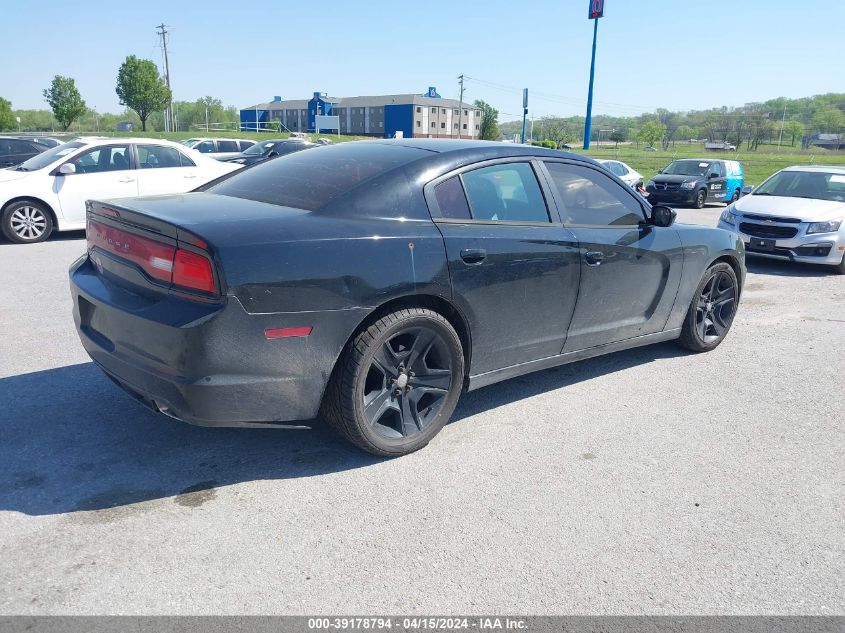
point(169, 264)
point(193, 271)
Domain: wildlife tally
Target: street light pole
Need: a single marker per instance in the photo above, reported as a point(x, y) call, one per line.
point(589, 122)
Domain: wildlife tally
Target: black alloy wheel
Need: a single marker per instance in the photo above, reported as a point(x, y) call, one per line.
point(398, 383)
point(700, 199)
point(712, 310)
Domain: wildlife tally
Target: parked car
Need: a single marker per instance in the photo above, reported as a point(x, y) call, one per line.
point(219, 148)
point(797, 215)
point(48, 192)
point(696, 181)
point(43, 140)
point(626, 174)
point(375, 281)
point(14, 151)
point(270, 149)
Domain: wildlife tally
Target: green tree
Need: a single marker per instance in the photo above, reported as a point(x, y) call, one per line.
point(65, 100)
point(7, 117)
point(793, 130)
point(140, 87)
point(684, 133)
point(489, 121)
point(652, 132)
point(829, 120)
point(618, 136)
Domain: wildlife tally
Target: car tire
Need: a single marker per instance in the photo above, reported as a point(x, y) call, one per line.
point(26, 222)
point(712, 309)
point(700, 199)
point(397, 383)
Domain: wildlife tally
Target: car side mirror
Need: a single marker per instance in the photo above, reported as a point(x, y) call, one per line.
point(663, 216)
point(272, 155)
point(67, 169)
point(747, 189)
point(712, 175)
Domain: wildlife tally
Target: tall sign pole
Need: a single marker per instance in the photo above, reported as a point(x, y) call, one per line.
point(524, 111)
point(596, 12)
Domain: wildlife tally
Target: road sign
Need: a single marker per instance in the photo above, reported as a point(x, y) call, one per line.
point(596, 9)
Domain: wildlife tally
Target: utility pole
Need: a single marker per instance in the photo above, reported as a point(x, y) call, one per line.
point(596, 12)
point(168, 113)
point(782, 123)
point(460, 105)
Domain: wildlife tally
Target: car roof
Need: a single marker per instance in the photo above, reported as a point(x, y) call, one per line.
point(836, 169)
point(479, 148)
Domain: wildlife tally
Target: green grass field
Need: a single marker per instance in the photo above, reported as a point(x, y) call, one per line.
point(758, 165)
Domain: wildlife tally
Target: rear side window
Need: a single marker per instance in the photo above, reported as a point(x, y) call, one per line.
point(505, 193)
point(227, 146)
point(310, 180)
point(246, 145)
point(159, 156)
point(589, 198)
point(206, 147)
point(451, 199)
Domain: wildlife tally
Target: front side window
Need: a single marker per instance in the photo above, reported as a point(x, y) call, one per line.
point(589, 198)
point(206, 147)
point(505, 193)
point(101, 159)
point(227, 146)
point(160, 156)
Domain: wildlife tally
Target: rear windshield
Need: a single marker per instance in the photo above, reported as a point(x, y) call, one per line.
point(309, 180)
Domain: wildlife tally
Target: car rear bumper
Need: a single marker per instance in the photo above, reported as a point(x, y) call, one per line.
point(207, 364)
point(821, 248)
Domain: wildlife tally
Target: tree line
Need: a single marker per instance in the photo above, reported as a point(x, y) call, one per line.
point(139, 87)
point(777, 121)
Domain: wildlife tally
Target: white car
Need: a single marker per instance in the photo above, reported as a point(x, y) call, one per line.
point(219, 148)
point(48, 192)
point(797, 215)
point(626, 173)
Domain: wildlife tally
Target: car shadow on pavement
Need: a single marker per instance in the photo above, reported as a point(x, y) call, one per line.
point(762, 266)
point(71, 441)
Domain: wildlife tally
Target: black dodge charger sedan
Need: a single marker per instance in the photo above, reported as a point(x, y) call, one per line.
point(371, 282)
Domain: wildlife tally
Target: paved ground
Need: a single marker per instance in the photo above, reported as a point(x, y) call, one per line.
point(647, 481)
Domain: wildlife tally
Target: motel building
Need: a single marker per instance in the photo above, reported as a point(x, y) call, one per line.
point(425, 115)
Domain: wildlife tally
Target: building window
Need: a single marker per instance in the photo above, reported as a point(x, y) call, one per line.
point(433, 124)
point(434, 110)
point(455, 126)
point(381, 123)
point(419, 110)
point(442, 126)
point(466, 113)
point(419, 123)
point(443, 111)
point(465, 126)
point(455, 111)
point(476, 126)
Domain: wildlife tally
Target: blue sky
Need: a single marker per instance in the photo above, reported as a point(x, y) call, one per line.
point(680, 55)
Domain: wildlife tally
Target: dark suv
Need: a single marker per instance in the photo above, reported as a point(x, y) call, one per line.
point(696, 181)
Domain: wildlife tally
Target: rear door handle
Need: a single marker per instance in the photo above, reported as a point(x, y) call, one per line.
point(190, 176)
point(594, 258)
point(473, 255)
point(127, 179)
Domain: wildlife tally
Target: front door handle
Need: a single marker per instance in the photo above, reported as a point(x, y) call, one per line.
point(473, 255)
point(189, 176)
point(127, 179)
point(594, 258)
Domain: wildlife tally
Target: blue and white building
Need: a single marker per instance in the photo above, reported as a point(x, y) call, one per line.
point(425, 115)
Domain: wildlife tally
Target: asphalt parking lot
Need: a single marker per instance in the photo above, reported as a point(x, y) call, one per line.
point(648, 481)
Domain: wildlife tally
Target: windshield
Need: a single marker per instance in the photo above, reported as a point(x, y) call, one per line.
point(804, 184)
point(50, 156)
point(259, 148)
point(687, 168)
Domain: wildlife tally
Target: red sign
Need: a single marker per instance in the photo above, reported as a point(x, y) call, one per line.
point(596, 9)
